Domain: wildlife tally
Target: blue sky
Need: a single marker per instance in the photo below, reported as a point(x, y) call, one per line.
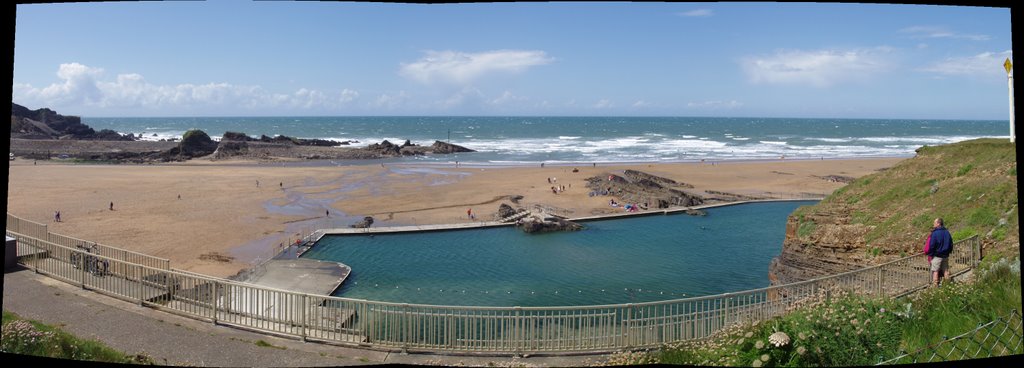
point(238, 58)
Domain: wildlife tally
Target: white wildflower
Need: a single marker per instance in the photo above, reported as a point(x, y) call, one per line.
point(779, 339)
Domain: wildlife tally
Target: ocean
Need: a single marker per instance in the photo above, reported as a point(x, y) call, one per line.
point(516, 141)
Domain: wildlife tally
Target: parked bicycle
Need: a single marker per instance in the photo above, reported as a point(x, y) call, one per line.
point(92, 264)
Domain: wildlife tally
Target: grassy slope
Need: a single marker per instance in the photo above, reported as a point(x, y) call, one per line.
point(972, 185)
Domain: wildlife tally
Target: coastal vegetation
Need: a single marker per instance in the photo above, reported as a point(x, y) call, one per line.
point(852, 330)
point(878, 217)
point(28, 337)
point(971, 185)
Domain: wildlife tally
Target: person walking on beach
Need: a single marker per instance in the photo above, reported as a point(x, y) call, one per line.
point(328, 213)
point(56, 216)
point(111, 206)
point(257, 183)
point(469, 213)
point(940, 245)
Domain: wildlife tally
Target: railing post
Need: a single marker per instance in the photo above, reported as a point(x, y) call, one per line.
point(214, 300)
point(625, 326)
point(517, 331)
point(142, 289)
point(881, 281)
point(82, 269)
point(304, 304)
point(408, 328)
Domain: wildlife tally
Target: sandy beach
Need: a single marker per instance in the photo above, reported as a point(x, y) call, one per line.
point(223, 220)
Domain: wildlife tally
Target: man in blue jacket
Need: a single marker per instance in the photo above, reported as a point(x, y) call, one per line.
point(940, 247)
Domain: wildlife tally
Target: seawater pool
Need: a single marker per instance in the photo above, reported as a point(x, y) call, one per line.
point(636, 259)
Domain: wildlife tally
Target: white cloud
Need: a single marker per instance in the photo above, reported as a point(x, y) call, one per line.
point(714, 105)
point(941, 32)
point(697, 13)
point(642, 104)
point(83, 86)
point(507, 98)
point(462, 67)
point(388, 101)
point(347, 95)
point(603, 104)
point(984, 64)
point(820, 68)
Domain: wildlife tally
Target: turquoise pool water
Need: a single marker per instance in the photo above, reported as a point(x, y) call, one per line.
point(612, 261)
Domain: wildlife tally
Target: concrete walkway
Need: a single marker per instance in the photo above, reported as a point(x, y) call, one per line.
point(170, 339)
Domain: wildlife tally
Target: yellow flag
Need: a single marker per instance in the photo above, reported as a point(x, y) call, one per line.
point(1008, 65)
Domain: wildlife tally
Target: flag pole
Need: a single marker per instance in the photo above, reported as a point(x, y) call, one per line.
point(1009, 80)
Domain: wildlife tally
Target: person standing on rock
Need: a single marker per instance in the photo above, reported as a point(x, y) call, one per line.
point(939, 247)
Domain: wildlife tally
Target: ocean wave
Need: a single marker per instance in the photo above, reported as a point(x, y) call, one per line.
point(740, 139)
point(565, 137)
point(831, 140)
point(777, 143)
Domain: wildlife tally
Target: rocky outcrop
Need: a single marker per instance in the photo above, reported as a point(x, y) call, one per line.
point(505, 210)
point(533, 224)
point(365, 223)
point(385, 148)
point(196, 143)
point(48, 124)
point(639, 187)
point(693, 212)
point(442, 147)
point(817, 245)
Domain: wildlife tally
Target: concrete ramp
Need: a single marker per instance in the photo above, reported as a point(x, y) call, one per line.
point(302, 275)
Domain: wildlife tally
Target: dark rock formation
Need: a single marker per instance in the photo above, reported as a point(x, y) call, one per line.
point(693, 212)
point(505, 211)
point(532, 224)
point(367, 221)
point(48, 124)
point(235, 137)
point(196, 143)
point(385, 148)
point(638, 187)
point(442, 147)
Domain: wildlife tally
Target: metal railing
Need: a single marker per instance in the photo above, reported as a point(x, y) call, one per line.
point(501, 330)
point(40, 231)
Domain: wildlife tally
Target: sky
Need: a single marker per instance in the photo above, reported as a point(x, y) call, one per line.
point(240, 58)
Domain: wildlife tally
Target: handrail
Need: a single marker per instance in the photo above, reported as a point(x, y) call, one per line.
point(439, 328)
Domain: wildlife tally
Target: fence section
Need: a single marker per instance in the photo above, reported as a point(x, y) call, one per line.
point(410, 327)
point(1000, 337)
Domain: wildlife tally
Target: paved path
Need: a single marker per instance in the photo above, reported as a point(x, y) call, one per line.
point(174, 340)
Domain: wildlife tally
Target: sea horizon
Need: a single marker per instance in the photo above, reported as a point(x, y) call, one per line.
point(520, 140)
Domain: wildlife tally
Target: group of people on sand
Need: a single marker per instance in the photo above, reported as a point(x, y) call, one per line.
point(629, 207)
point(558, 188)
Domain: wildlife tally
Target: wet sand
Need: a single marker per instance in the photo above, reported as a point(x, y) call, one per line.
point(223, 215)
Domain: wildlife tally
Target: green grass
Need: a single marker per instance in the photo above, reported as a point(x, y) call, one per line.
point(848, 330)
point(264, 344)
point(965, 183)
point(964, 170)
point(28, 337)
point(805, 229)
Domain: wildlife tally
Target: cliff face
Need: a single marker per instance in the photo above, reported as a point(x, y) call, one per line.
point(880, 217)
point(831, 245)
point(48, 124)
